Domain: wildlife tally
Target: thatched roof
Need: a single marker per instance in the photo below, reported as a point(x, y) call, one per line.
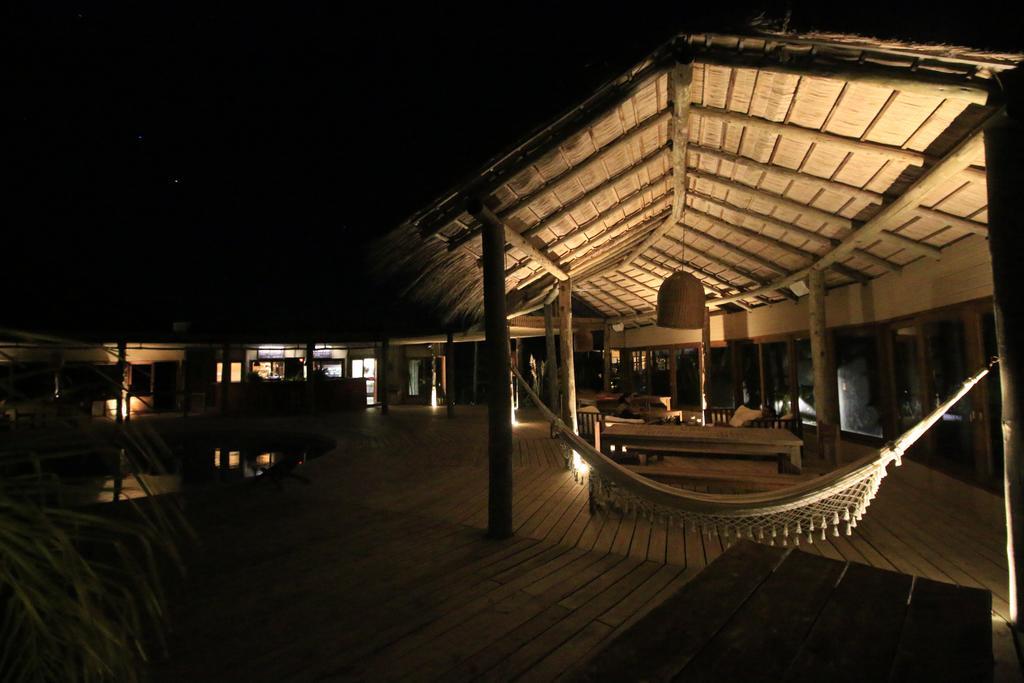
point(792, 145)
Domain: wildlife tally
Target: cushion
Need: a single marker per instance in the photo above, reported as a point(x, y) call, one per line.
point(625, 420)
point(589, 409)
point(743, 415)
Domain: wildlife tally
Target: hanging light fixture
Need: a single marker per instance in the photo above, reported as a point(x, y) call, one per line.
point(582, 341)
point(681, 302)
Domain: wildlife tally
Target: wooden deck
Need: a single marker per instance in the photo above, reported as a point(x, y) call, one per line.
point(378, 569)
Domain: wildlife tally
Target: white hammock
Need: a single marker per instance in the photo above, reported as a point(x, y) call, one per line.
point(833, 501)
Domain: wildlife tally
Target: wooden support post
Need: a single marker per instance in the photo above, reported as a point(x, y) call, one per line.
point(382, 381)
point(568, 366)
point(499, 402)
point(310, 379)
point(449, 375)
point(705, 363)
point(825, 390)
point(122, 369)
point(1004, 158)
point(606, 378)
point(225, 377)
point(551, 365)
point(434, 396)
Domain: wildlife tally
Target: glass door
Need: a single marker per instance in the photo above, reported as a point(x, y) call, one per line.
point(906, 378)
point(945, 360)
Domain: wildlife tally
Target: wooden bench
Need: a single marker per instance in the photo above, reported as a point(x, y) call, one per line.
point(759, 613)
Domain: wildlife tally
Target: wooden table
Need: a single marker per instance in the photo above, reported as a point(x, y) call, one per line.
point(771, 614)
point(674, 439)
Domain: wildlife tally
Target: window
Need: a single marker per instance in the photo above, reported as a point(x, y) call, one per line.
point(720, 387)
point(805, 382)
point(750, 374)
point(638, 360)
point(775, 357)
point(688, 377)
point(857, 376)
point(615, 378)
point(661, 382)
point(141, 380)
point(236, 372)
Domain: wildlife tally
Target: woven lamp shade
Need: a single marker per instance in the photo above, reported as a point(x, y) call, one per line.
point(582, 341)
point(681, 302)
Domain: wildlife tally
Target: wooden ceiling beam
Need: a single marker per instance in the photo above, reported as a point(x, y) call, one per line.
point(679, 80)
point(918, 81)
point(765, 263)
point(953, 163)
point(605, 279)
point(768, 221)
point(496, 172)
point(811, 135)
point(955, 221)
point(960, 158)
point(810, 212)
point(692, 268)
point(788, 174)
point(591, 194)
point(485, 215)
point(474, 231)
point(919, 248)
point(561, 241)
point(607, 260)
point(620, 226)
point(753, 234)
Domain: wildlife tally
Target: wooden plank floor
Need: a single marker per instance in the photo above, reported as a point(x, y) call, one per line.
point(379, 570)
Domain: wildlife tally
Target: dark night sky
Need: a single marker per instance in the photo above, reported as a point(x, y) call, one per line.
point(176, 164)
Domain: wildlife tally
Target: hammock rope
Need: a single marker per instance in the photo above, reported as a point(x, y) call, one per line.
point(832, 503)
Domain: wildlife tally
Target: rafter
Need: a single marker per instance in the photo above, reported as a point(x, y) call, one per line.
point(651, 122)
point(485, 215)
point(620, 226)
point(811, 135)
point(591, 194)
point(956, 221)
point(768, 221)
point(788, 174)
point(497, 171)
point(918, 81)
point(573, 205)
point(810, 212)
point(954, 162)
point(750, 256)
point(680, 79)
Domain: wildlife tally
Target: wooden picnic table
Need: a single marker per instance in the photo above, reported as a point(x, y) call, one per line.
point(674, 439)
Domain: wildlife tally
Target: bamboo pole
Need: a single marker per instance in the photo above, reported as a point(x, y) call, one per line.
point(122, 368)
point(705, 362)
point(499, 401)
point(551, 366)
point(568, 364)
point(1004, 157)
point(825, 391)
point(311, 379)
point(607, 376)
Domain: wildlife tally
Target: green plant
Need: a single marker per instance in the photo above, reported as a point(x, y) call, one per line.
point(81, 595)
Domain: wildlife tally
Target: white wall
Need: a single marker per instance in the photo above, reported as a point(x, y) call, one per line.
point(964, 273)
